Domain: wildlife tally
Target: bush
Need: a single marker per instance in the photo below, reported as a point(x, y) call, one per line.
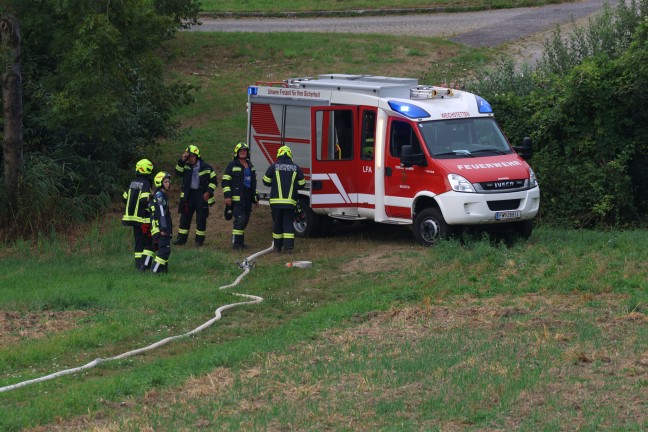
point(48, 197)
point(579, 106)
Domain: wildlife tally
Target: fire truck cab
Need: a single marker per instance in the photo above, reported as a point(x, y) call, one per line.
point(390, 150)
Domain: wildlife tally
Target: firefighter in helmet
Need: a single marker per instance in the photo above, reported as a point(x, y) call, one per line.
point(284, 178)
point(239, 189)
point(137, 215)
point(199, 181)
point(161, 223)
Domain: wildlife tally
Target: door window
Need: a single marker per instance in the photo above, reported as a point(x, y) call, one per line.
point(334, 135)
point(403, 134)
point(368, 134)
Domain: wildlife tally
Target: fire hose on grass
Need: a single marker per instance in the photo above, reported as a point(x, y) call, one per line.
point(246, 265)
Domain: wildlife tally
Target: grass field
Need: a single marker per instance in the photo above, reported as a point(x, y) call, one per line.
point(305, 6)
point(380, 334)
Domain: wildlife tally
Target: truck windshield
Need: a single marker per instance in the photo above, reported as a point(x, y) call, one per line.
point(467, 137)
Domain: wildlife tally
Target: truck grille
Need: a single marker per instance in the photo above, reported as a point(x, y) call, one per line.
point(503, 185)
point(504, 205)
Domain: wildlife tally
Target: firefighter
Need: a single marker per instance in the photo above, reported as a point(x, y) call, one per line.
point(284, 178)
point(239, 190)
point(161, 223)
point(197, 194)
point(136, 214)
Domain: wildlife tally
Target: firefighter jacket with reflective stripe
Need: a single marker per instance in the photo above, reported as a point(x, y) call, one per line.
point(284, 178)
point(207, 179)
point(160, 214)
point(234, 180)
point(137, 198)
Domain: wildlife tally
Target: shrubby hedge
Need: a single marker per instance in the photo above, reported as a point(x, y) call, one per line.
point(584, 108)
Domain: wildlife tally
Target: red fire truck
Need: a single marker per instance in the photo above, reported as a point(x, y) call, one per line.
point(390, 150)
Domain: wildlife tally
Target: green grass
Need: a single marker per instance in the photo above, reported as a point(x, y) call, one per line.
point(303, 6)
point(466, 332)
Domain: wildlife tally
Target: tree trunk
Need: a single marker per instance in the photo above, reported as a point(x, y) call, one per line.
point(11, 103)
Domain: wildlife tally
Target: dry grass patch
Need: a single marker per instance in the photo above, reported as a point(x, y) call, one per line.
point(15, 326)
point(131, 414)
point(323, 381)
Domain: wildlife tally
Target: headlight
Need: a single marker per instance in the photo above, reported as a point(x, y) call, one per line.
point(460, 184)
point(533, 181)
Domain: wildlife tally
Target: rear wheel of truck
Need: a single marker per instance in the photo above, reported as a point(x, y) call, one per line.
point(306, 221)
point(430, 226)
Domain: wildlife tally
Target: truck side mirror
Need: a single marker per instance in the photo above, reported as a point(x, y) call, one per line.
point(525, 150)
point(408, 158)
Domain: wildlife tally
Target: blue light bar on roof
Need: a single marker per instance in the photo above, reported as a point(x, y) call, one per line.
point(252, 90)
point(483, 106)
point(409, 110)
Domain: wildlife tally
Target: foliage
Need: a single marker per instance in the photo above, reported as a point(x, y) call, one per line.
point(95, 94)
point(579, 106)
point(47, 194)
point(607, 34)
point(184, 13)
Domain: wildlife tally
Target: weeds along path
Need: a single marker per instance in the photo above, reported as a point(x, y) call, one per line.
point(476, 29)
point(246, 266)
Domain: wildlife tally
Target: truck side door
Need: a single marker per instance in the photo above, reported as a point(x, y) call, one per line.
point(335, 158)
point(366, 171)
point(402, 183)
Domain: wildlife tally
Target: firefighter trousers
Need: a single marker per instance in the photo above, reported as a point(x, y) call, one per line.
point(161, 262)
point(143, 248)
point(241, 217)
point(195, 203)
point(283, 229)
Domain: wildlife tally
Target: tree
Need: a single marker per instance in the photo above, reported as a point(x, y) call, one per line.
point(95, 96)
point(12, 104)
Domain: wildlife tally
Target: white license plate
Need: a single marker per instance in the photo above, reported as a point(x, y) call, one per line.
point(508, 215)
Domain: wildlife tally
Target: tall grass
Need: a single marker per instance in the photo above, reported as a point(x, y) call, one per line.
point(47, 199)
point(608, 33)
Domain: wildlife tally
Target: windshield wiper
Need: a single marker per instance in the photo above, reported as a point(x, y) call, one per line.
point(492, 150)
point(455, 153)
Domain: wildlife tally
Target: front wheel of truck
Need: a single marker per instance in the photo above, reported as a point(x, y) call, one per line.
point(524, 229)
point(430, 226)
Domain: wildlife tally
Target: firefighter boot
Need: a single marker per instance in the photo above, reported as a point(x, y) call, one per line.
point(182, 239)
point(238, 240)
point(147, 260)
point(277, 243)
point(160, 265)
point(160, 269)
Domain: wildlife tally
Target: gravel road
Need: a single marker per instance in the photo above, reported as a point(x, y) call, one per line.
point(477, 29)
